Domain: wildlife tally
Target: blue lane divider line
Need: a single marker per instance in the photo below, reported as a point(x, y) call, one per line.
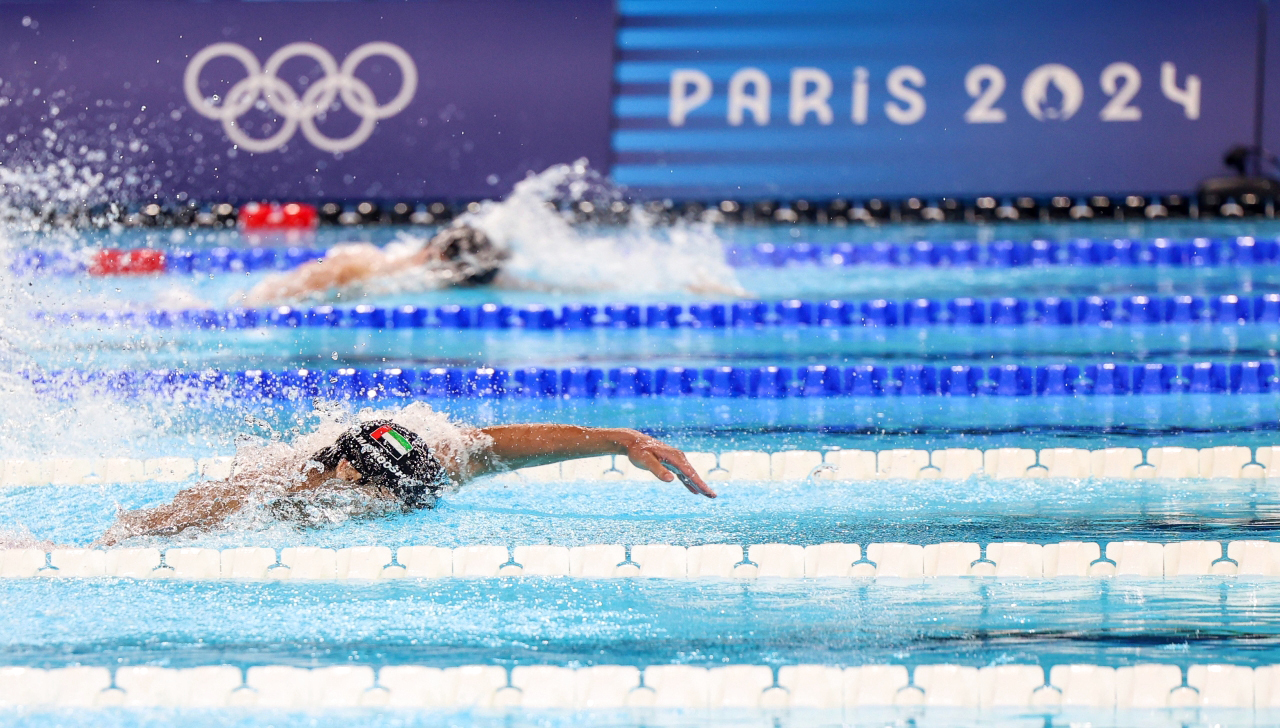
point(1238, 251)
point(861, 380)
point(1051, 311)
point(178, 260)
point(1162, 252)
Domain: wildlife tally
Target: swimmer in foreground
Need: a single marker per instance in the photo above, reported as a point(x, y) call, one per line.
point(457, 256)
point(384, 461)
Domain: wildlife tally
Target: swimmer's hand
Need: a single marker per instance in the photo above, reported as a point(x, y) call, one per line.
point(665, 462)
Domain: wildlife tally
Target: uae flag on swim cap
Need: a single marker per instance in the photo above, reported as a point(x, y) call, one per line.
point(392, 440)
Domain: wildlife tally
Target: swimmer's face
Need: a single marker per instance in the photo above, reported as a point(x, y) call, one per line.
point(346, 472)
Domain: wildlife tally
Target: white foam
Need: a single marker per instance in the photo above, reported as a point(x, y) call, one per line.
point(548, 251)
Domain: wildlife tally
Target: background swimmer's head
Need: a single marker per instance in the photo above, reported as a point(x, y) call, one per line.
point(389, 456)
point(472, 257)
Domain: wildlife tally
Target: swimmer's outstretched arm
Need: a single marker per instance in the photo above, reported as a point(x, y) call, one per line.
point(344, 265)
point(204, 506)
point(518, 446)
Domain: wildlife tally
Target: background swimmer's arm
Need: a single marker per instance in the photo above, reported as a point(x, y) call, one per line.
point(519, 446)
point(343, 266)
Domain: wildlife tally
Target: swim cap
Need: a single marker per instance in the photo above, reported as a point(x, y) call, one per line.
point(473, 258)
point(390, 456)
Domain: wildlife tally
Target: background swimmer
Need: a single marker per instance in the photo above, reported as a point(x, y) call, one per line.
point(394, 469)
point(457, 256)
point(523, 243)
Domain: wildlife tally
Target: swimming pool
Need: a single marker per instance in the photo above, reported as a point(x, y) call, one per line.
point(988, 554)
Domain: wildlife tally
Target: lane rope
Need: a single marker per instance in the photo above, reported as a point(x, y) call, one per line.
point(1230, 309)
point(768, 382)
point(1158, 252)
point(1240, 251)
point(1001, 559)
point(1034, 689)
point(1223, 462)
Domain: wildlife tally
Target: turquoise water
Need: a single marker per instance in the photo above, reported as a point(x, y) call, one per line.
point(547, 621)
point(582, 513)
point(121, 347)
point(525, 621)
point(198, 428)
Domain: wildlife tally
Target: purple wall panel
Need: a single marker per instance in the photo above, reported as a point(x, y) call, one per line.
point(503, 87)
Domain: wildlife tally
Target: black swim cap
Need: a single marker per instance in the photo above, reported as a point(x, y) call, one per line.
point(474, 258)
point(390, 456)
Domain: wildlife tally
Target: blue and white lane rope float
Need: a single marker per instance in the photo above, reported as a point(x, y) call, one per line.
point(860, 380)
point(1164, 462)
point(1140, 310)
point(1159, 252)
point(861, 691)
point(1240, 251)
point(1001, 559)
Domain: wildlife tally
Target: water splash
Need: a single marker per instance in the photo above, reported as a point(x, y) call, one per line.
point(638, 256)
point(21, 537)
point(37, 426)
point(277, 457)
point(268, 466)
point(46, 191)
point(35, 193)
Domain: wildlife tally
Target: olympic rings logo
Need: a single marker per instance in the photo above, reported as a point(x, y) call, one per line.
point(338, 82)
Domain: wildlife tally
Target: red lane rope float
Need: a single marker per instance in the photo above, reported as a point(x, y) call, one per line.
point(113, 261)
point(273, 216)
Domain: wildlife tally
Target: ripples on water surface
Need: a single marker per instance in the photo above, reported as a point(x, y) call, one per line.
point(571, 514)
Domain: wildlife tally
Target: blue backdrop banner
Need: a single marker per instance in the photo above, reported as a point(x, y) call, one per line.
point(287, 100)
point(851, 98)
point(1270, 127)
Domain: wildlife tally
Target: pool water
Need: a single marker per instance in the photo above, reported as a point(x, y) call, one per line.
point(643, 622)
point(576, 622)
point(576, 513)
